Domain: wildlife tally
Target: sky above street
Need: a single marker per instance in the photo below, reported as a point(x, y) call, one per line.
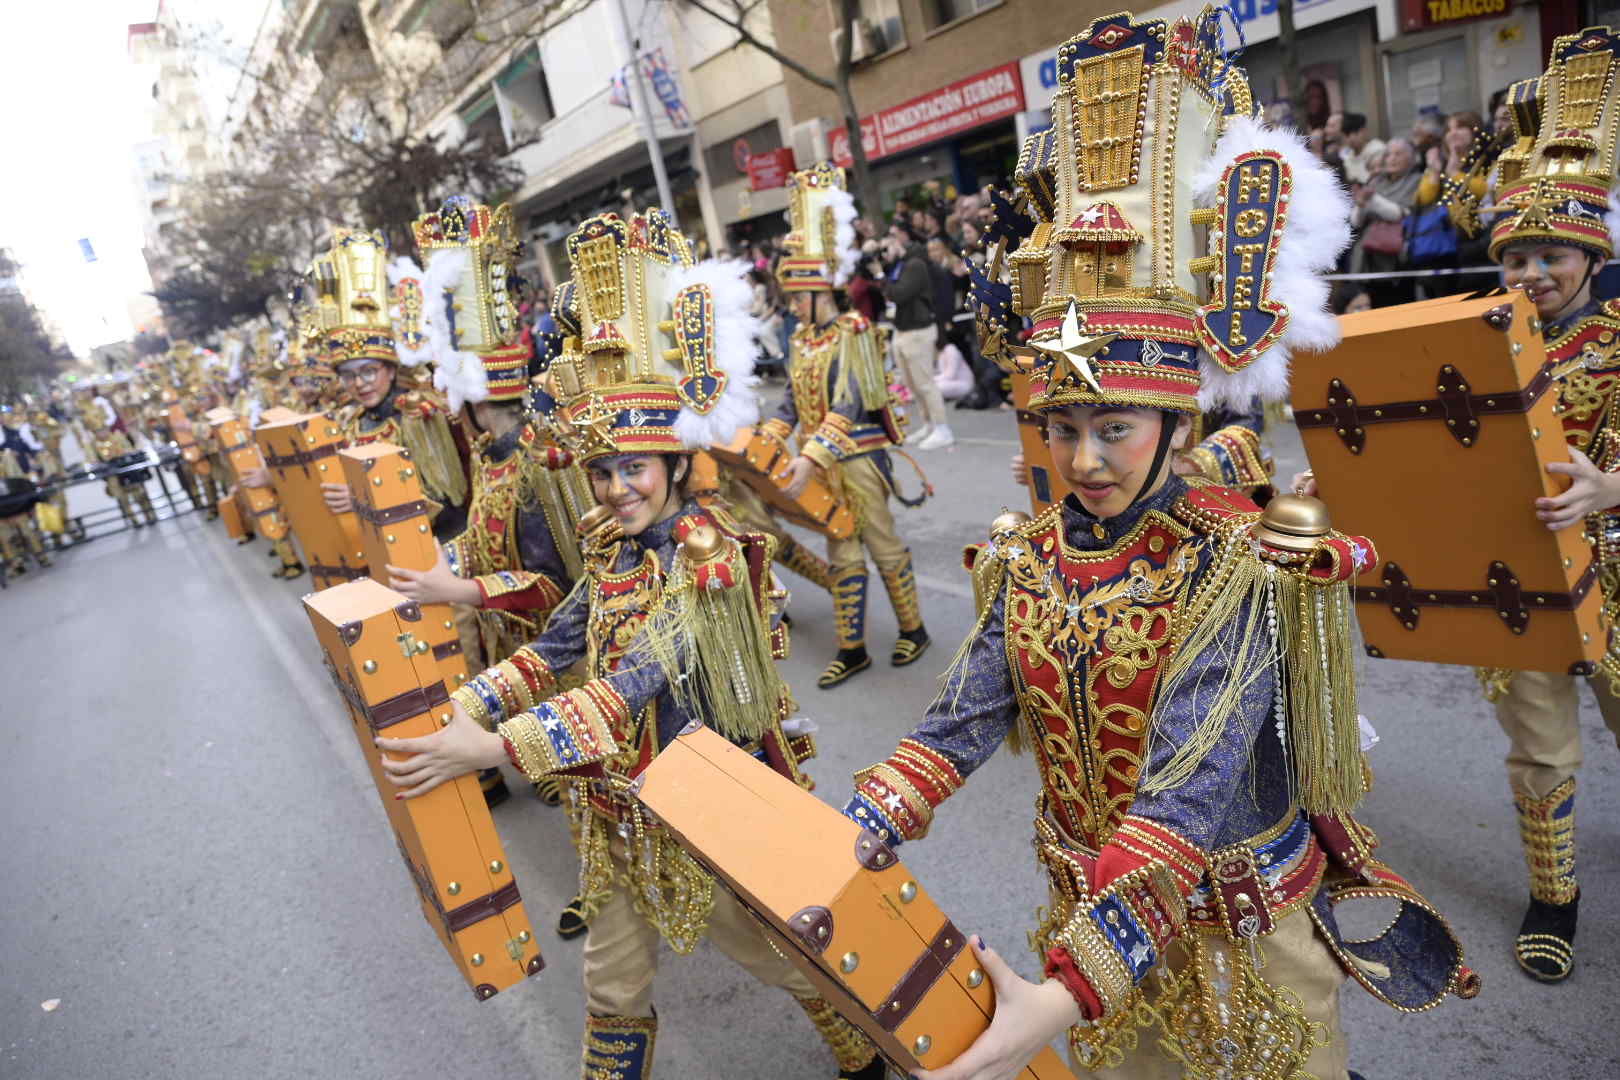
point(75, 108)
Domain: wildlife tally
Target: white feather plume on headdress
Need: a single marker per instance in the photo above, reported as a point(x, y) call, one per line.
point(233, 354)
point(842, 205)
point(735, 335)
point(458, 373)
point(1316, 231)
point(403, 268)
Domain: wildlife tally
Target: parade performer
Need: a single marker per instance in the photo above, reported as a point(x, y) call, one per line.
point(112, 447)
point(1557, 224)
point(838, 398)
point(388, 405)
point(47, 429)
point(519, 555)
point(1180, 665)
point(672, 619)
point(19, 533)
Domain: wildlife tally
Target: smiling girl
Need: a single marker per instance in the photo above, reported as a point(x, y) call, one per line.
point(673, 621)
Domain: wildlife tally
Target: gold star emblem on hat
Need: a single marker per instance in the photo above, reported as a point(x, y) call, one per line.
point(1071, 353)
point(592, 430)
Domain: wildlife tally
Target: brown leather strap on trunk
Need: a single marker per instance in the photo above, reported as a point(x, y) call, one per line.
point(1454, 402)
point(1501, 593)
point(902, 1001)
point(390, 515)
point(300, 458)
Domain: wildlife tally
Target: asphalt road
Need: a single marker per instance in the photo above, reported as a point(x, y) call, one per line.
point(197, 869)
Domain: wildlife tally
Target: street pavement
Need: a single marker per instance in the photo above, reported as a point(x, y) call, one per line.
point(197, 868)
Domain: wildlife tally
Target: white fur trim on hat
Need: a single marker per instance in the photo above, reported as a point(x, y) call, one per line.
point(456, 372)
point(735, 333)
point(843, 261)
point(1316, 232)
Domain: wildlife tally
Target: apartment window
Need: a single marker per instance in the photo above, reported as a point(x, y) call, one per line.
point(943, 12)
point(878, 28)
point(447, 20)
point(483, 120)
point(524, 97)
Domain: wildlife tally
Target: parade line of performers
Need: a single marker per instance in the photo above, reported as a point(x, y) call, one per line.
point(1169, 644)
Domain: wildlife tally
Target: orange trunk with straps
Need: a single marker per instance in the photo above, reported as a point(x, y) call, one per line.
point(1431, 428)
point(761, 462)
point(833, 898)
point(392, 687)
point(259, 506)
point(301, 453)
point(393, 519)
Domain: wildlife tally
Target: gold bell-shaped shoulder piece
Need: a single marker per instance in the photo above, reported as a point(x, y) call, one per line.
point(1295, 523)
point(702, 545)
point(1008, 521)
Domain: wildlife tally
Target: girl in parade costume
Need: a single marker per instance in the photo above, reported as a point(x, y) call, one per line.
point(1558, 222)
point(1179, 665)
point(518, 556)
point(673, 620)
point(839, 401)
point(368, 337)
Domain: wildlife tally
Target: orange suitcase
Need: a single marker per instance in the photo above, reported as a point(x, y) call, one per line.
point(758, 461)
point(447, 837)
point(833, 898)
point(301, 453)
point(230, 512)
point(190, 452)
point(1430, 430)
point(260, 505)
point(394, 528)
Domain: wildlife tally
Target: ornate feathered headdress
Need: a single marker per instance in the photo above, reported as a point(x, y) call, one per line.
point(1168, 244)
point(1557, 180)
point(821, 251)
point(352, 298)
point(472, 327)
point(661, 355)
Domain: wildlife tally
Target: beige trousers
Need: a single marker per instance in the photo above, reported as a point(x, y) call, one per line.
point(750, 508)
point(914, 356)
point(621, 952)
point(867, 493)
point(1541, 717)
point(1295, 957)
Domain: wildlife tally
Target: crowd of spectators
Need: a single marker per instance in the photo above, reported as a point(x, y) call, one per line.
point(1399, 221)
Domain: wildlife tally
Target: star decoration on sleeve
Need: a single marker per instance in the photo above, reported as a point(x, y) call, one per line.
point(1071, 353)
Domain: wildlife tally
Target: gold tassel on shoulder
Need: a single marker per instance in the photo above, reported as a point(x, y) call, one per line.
point(1298, 627)
point(711, 640)
point(861, 360)
point(433, 449)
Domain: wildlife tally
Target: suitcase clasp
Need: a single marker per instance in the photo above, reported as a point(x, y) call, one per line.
point(409, 645)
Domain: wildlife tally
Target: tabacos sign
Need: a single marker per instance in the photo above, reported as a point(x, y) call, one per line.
point(965, 104)
point(1422, 14)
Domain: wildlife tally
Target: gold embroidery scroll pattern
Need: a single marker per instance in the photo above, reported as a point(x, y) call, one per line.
point(616, 618)
point(1585, 394)
point(810, 390)
point(1030, 621)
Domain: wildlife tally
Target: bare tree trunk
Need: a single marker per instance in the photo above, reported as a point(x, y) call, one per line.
point(1290, 63)
point(864, 189)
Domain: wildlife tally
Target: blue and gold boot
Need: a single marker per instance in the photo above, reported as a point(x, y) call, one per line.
point(849, 617)
point(618, 1047)
point(901, 584)
point(1545, 946)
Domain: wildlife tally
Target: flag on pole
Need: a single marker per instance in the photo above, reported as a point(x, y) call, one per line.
point(657, 71)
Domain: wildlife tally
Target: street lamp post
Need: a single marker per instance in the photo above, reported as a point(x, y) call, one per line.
point(638, 98)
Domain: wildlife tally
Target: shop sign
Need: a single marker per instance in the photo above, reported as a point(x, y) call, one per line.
point(1424, 14)
point(770, 169)
point(965, 104)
